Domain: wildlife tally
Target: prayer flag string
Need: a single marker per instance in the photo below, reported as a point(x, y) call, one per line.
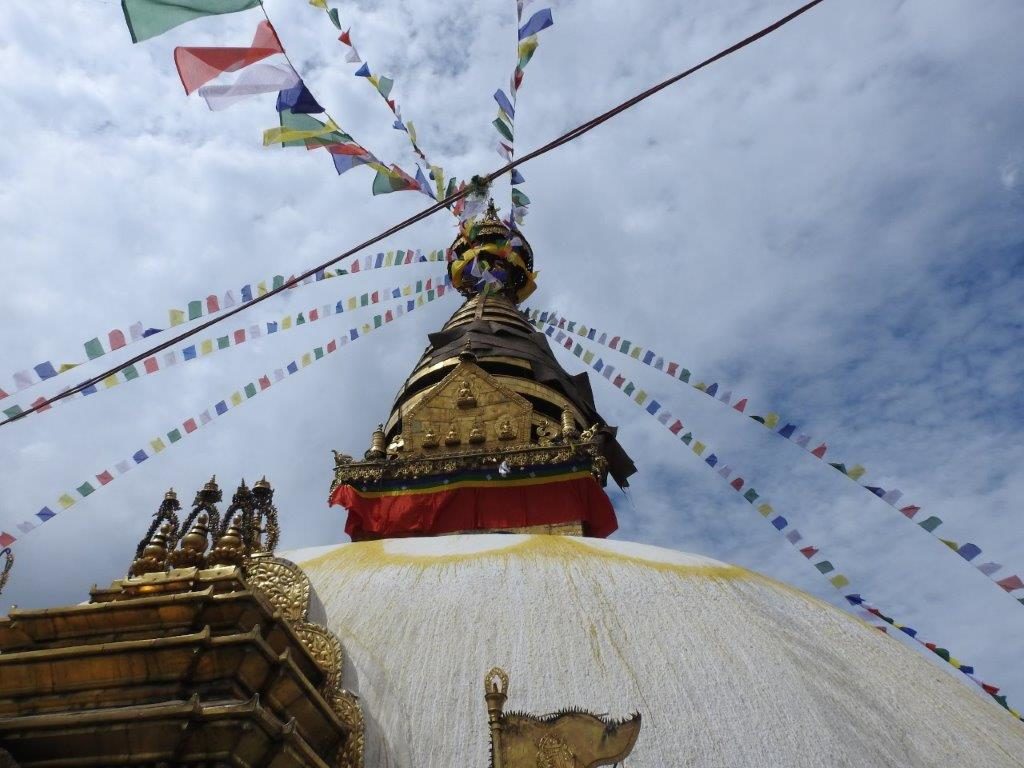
point(206, 347)
point(118, 338)
point(968, 551)
point(159, 444)
point(781, 524)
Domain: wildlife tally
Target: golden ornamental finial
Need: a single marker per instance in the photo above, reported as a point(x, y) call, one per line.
point(170, 495)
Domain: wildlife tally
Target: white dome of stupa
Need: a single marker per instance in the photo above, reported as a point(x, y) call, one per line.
point(729, 669)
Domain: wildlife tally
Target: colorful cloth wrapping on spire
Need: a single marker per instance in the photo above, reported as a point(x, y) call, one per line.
point(149, 18)
point(268, 76)
point(474, 501)
point(197, 66)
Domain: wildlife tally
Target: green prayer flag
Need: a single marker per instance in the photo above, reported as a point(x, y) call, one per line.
point(751, 495)
point(687, 438)
point(149, 18)
point(377, 322)
point(364, 300)
point(14, 410)
point(624, 346)
point(333, 13)
point(278, 281)
point(824, 566)
point(503, 128)
point(384, 86)
point(250, 390)
point(223, 342)
point(195, 310)
point(85, 489)
point(318, 352)
point(94, 349)
point(684, 375)
point(174, 435)
point(931, 523)
point(299, 121)
point(628, 389)
point(130, 373)
point(519, 198)
point(300, 320)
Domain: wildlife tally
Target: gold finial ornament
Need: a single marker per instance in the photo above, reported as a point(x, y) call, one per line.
point(154, 554)
point(262, 487)
point(466, 398)
point(476, 435)
point(228, 549)
point(569, 431)
point(496, 694)
point(377, 444)
point(170, 495)
point(452, 438)
point(192, 553)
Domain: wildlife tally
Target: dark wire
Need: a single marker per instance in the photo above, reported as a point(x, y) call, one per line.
point(426, 212)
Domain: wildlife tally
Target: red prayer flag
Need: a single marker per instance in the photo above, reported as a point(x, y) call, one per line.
point(614, 342)
point(430, 282)
point(239, 335)
point(39, 401)
point(116, 339)
point(355, 266)
point(568, 343)
point(375, 297)
point(151, 365)
point(190, 426)
point(3, 394)
point(737, 483)
point(345, 38)
point(910, 511)
point(741, 405)
point(264, 382)
point(212, 304)
point(809, 552)
point(676, 428)
point(197, 66)
point(1011, 583)
point(820, 451)
point(104, 477)
point(314, 314)
point(991, 689)
point(671, 370)
point(408, 257)
point(388, 317)
point(619, 381)
point(6, 539)
point(332, 346)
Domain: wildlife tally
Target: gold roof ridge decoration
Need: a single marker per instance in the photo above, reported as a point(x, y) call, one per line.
point(569, 738)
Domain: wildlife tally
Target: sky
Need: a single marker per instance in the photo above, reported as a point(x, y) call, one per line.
point(830, 222)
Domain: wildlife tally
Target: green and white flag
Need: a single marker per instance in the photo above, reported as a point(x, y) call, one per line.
point(149, 18)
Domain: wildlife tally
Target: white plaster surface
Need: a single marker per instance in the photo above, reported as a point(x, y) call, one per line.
point(729, 669)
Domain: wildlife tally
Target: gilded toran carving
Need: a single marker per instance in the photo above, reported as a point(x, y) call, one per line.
point(288, 589)
point(570, 738)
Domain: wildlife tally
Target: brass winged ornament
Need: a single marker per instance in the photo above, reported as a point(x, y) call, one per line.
point(569, 738)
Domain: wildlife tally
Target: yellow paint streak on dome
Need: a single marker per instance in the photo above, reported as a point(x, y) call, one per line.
point(374, 554)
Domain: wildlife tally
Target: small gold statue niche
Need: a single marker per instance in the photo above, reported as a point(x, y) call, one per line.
point(506, 431)
point(429, 439)
point(476, 435)
point(452, 438)
point(466, 398)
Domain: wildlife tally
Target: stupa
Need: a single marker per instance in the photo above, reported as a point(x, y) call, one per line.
point(479, 586)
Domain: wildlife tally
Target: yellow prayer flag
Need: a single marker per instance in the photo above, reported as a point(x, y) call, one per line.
point(635, 353)
point(771, 420)
point(66, 501)
point(177, 316)
point(839, 581)
point(419, 300)
point(206, 347)
point(306, 359)
point(236, 398)
point(353, 302)
point(389, 259)
point(411, 130)
point(641, 397)
point(954, 661)
point(407, 290)
point(366, 328)
point(65, 367)
point(856, 472)
point(281, 135)
point(700, 385)
point(157, 445)
point(322, 4)
point(261, 288)
point(286, 322)
point(375, 81)
point(951, 544)
point(582, 331)
point(765, 509)
point(111, 381)
point(528, 46)
point(698, 447)
point(588, 357)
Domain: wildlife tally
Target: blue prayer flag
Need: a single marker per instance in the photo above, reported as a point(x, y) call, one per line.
point(189, 353)
point(379, 262)
point(339, 308)
point(424, 184)
point(505, 104)
point(592, 333)
point(353, 334)
point(363, 71)
point(45, 370)
point(788, 430)
point(91, 390)
point(292, 367)
point(653, 406)
point(221, 408)
point(151, 332)
point(246, 293)
point(298, 100)
point(712, 390)
point(599, 365)
point(45, 514)
point(517, 177)
point(909, 631)
point(396, 293)
point(139, 456)
point(780, 522)
point(711, 460)
point(648, 356)
point(272, 327)
point(969, 551)
point(540, 20)
point(857, 600)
